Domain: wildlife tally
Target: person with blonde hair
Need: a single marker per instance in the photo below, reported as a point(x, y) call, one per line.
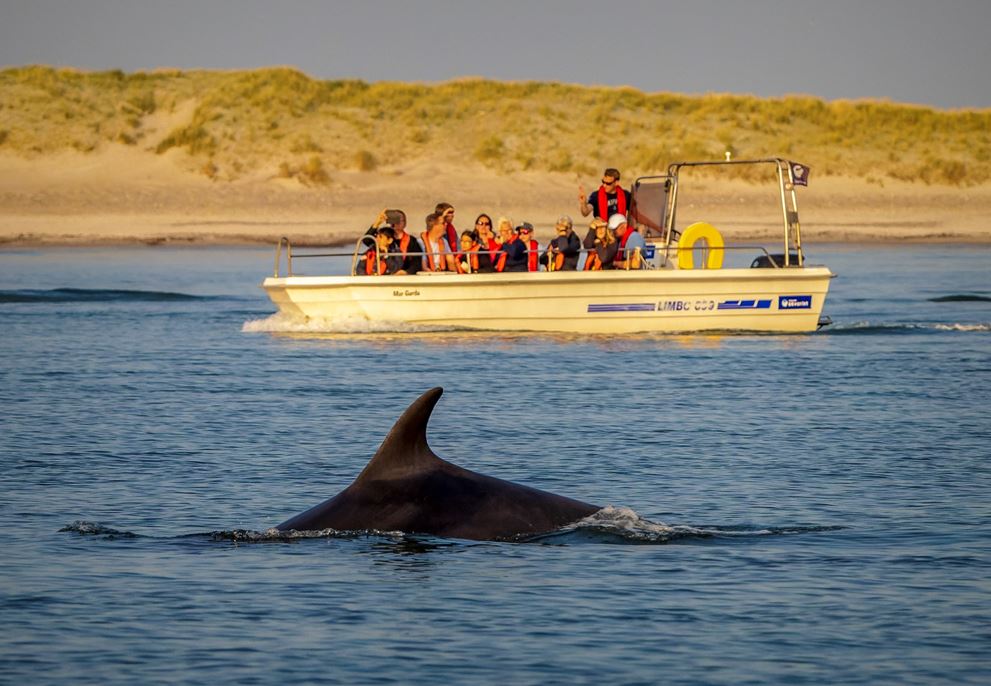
point(601, 245)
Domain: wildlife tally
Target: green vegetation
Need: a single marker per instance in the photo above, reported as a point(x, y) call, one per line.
point(280, 119)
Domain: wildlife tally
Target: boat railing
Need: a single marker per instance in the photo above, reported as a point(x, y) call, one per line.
point(665, 255)
point(290, 256)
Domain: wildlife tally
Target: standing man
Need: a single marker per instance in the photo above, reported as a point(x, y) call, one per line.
point(608, 200)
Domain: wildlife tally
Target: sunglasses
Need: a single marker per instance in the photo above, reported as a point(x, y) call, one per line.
point(608, 183)
point(525, 231)
point(483, 223)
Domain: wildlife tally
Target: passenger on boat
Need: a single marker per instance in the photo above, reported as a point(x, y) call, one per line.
point(505, 235)
point(532, 247)
point(467, 257)
point(608, 200)
point(381, 262)
point(563, 250)
point(629, 240)
point(447, 209)
point(488, 247)
point(601, 245)
point(513, 250)
point(404, 244)
point(438, 257)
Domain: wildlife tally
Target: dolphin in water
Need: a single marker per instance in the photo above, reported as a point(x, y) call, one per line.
point(405, 487)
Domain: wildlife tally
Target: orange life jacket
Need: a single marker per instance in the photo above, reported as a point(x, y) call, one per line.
point(496, 254)
point(471, 257)
point(429, 254)
point(371, 269)
point(404, 243)
point(592, 262)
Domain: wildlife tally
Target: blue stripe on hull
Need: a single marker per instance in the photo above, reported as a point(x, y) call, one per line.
point(625, 307)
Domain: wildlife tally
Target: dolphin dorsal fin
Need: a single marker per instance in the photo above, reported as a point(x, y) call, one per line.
point(405, 449)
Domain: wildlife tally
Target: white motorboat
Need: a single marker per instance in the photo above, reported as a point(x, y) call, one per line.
point(683, 288)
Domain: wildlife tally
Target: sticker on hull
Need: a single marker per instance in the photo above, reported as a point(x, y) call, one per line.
point(795, 302)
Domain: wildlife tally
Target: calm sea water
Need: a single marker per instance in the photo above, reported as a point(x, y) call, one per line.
point(808, 509)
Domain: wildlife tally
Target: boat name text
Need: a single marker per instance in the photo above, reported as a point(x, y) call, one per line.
point(684, 305)
point(400, 294)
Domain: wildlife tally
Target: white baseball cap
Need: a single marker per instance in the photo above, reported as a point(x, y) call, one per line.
point(616, 220)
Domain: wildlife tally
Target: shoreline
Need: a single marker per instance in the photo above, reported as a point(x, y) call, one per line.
point(124, 197)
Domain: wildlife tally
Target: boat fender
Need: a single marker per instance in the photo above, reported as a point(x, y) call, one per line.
point(697, 232)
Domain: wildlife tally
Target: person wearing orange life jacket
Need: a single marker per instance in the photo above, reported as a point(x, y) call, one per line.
point(563, 251)
point(629, 240)
point(378, 260)
point(608, 200)
point(404, 244)
point(602, 248)
point(438, 256)
point(530, 246)
point(506, 235)
point(467, 258)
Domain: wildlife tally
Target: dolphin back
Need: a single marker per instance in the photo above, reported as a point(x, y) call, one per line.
point(406, 487)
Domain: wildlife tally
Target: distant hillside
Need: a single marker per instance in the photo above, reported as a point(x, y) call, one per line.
point(281, 123)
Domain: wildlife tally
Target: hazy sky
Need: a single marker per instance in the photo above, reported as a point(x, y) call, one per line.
point(933, 52)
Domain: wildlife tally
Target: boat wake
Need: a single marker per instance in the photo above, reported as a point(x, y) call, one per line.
point(89, 295)
point(283, 323)
point(611, 525)
point(869, 327)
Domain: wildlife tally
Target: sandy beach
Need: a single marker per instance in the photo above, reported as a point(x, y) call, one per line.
point(123, 195)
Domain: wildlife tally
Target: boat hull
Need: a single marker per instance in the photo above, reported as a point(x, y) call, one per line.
point(771, 300)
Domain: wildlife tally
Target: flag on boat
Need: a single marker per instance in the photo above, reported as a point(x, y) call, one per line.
point(799, 174)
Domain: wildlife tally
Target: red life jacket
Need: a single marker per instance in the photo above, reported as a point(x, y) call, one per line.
point(533, 257)
point(621, 251)
point(452, 236)
point(603, 209)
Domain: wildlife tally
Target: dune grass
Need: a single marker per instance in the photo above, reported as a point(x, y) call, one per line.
point(282, 122)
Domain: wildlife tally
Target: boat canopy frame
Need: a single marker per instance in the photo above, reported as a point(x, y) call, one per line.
point(793, 254)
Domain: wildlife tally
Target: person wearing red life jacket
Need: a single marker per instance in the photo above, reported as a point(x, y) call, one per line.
point(629, 240)
point(564, 249)
point(488, 246)
point(530, 246)
point(438, 256)
point(450, 233)
point(607, 200)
